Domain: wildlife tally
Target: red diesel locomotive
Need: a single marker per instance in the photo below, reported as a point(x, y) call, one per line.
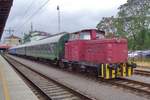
point(91, 51)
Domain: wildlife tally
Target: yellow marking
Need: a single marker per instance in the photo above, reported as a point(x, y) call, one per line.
point(102, 70)
point(113, 73)
point(129, 71)
point(107, 71)
point(124, 70)
point(118, 72)
point(4, 84)
point(99, 72)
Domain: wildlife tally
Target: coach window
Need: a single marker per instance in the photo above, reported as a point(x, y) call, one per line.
point(49, 48)
point(85, 36)
point(45, 46)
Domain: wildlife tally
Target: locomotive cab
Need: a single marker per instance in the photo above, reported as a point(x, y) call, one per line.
point(87, 35)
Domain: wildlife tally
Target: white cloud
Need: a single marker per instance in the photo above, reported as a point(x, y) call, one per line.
point(77, 5)
point(75, 14)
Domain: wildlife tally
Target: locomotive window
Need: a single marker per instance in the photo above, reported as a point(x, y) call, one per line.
point(99, 35)
point(85, 36)
point(74, 36)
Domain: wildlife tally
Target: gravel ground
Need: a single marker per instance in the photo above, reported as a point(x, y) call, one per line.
point(95, 89)
point(140, 68)
point(140, 78)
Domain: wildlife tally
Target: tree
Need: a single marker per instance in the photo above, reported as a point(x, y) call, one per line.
point(106, 24)
point(133, 20)
point(26, 38)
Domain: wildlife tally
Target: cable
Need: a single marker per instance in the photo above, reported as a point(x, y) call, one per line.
point(33, 15)
point(26, 11)
point(28, 8)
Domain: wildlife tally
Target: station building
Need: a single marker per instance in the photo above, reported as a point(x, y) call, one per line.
point(35, 36)
point(12, 40)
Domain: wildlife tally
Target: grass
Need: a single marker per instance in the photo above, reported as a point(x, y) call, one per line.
point(142, 62)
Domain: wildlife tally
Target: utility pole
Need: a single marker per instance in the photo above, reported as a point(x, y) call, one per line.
point(31, 27)
point(58, 18)
point(10, 32)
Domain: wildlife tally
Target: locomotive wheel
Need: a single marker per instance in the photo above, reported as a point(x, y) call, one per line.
point(82, 68)
point(74, 67)
point(61, 65)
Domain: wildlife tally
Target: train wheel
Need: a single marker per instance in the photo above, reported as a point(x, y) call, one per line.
point(61, 65)
point(74, 67)
point(83, 68)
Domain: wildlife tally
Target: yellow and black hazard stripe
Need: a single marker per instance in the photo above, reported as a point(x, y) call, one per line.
point(129, 71)
point(126, 70)
point(106, 72)
point(123, 69)
point(101, 71)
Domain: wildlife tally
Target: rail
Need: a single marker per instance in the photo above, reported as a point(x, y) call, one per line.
point(142, 72)
point(49, 86)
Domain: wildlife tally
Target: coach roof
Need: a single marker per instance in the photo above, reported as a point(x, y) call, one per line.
point(51, 39)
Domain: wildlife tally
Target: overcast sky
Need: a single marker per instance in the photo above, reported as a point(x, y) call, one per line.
point(75, 14)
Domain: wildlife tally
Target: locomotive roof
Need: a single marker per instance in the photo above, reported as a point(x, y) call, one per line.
point(102, 32)
point(51, 39)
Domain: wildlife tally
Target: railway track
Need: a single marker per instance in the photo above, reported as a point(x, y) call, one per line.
point(137, 87)
point(51, 88)
point(134, 86)
point(142, 72)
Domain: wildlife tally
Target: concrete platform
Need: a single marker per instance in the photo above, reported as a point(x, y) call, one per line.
point(12, 87)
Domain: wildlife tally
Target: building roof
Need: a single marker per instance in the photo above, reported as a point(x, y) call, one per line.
point(33, 33)
point(5, 6)
point(13, 36)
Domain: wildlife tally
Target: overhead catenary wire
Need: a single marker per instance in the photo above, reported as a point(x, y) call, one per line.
point(28, 8)
point(30, 17)
point(33, 15)
point(26, 11)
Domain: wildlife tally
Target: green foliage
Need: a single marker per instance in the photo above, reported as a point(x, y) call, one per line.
point(106, 24)
point(26, 38)
point(133, 21)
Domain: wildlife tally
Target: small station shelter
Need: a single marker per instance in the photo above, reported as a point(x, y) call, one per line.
point(4, 47)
